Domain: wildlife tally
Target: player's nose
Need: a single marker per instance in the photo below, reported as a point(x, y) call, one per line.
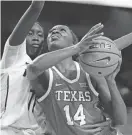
point(55, 31)
point(35, 37)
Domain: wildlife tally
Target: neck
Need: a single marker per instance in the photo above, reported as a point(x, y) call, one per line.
point(67, 64)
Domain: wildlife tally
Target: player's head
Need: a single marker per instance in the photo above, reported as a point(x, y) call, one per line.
point(34, 40)
point(60, 36)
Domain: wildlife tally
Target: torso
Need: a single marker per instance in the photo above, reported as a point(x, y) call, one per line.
point(72, 105)
point(17, 112)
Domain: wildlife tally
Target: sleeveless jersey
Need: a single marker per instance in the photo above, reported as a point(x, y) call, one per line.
point(72, 106)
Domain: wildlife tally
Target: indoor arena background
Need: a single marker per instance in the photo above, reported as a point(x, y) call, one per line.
point(80, 18)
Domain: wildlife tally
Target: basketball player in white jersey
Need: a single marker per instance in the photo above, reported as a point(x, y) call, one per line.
point(70, 102)
point(20, 113)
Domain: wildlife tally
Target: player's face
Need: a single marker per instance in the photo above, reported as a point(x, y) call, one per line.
point(59, 37)
point(35, 39)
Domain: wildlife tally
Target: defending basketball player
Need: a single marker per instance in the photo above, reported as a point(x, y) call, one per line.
point(20, 111)
point(71, 103)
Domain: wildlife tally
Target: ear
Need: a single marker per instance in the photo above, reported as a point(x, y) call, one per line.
point(75, 39)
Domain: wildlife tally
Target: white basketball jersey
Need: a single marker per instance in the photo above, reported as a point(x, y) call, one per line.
point(17, 110)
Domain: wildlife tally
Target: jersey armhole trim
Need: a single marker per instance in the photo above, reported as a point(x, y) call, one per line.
point(49, 87)
point(91, 86)
point(11, 47)
point(66, 79)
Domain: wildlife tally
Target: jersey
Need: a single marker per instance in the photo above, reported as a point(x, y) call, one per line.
point(72, 106)
point(17, 111)
point(4, 85)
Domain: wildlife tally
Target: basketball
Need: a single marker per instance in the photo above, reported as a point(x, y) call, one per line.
point(100, 59)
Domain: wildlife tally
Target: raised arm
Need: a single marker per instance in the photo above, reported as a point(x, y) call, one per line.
point(119, 112)
point(45, 61)
point(124, 41)
point(111, 99)
point(26, 22)
point(15, 47)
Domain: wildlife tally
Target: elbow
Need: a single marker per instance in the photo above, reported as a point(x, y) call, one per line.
point(121, 122)
point(124, 121)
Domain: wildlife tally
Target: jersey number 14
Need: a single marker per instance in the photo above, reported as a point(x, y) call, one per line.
point(79, 115)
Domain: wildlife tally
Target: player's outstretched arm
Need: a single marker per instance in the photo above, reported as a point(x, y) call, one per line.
point(119, 111)
point(13, 50)
point(124, 41)
point(45, 61)
point(110, 98)
point(26, 22)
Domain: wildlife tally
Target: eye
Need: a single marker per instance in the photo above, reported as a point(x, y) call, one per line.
point(62, 30)
point(50, 31)
point(30, 33)
point(40, 34)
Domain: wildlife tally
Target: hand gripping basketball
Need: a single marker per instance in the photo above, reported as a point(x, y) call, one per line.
point(115, 72)
point(87, 39)
point(102, 58)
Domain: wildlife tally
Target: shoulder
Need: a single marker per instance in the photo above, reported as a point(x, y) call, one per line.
point(9, 46)
point(90, 80)
point(13, 50)
point(88, 76)
point(12, 54)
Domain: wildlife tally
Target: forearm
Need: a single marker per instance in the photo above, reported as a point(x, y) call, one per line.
point(25, 23)
point(119, 111)
point(124, 41)
point(45, 61)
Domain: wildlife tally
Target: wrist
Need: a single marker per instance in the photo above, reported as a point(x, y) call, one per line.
point(77, 48)
point(110, 81)
point(37, 4)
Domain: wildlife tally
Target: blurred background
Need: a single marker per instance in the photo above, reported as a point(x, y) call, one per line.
point(80, 18)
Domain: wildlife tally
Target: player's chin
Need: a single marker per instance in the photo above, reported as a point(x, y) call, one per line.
point(55, 46)
point(34, 52)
